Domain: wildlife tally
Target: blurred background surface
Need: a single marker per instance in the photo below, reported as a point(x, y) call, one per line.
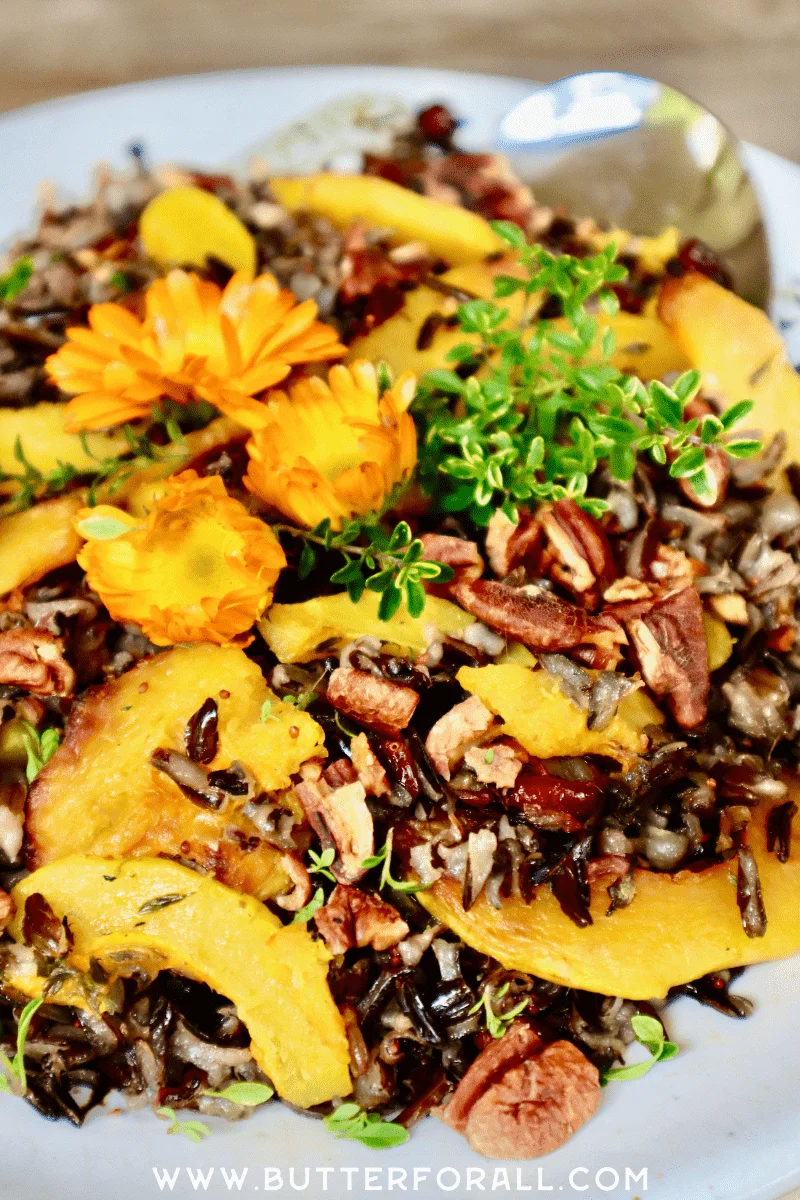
point(741, 58)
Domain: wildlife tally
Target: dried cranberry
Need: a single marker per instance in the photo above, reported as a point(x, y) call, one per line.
point(695, 255)
point(437, 124)
point(553, 803)
point(201, 738)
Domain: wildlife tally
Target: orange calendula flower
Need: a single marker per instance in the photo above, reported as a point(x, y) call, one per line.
point(199, 568)
point(196, 341)
point(335, 449)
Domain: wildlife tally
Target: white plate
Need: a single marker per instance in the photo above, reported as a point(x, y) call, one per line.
point(721, 1120)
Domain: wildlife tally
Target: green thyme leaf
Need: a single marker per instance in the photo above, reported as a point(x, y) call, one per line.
point(195, 1131)
point(497, 1023)
point(16, 279)
point(650, 1033)
point(248, 1094)
point(23, 1026)
point(351, 1122)
point(306, 913)
point(321, 863)
point(39, 748)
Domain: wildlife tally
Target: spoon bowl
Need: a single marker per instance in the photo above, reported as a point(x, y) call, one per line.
point(638, 155)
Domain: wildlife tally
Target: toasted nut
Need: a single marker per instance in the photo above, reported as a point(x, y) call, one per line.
point(627, 588)
point(340, 818)
point(583, 559)
point(508, 545)
point(671, 646)
point(458, 553)
point(498, 764)
point(731, 608)
point(34, 660)
point(354, 918)
point(372, 701)
point(455, 732)
point(369, 771)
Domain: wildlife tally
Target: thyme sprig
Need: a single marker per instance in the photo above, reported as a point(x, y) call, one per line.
point(16, 279)
point(547, 407)
point(12, 1073)
point(369, 1128)
point(389, 562)
point(497, 1023)
point(649, 1032)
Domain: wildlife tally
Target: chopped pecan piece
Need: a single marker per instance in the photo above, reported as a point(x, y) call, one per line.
point(6, 910)
point(300, 894)
point(354, 918)
point(582, 557)
point(673, 567)
point(509, 545)
point(518, 1100)
point(340, 818)
point(627, 588)
point(499, 764)
point(340, 772)
point(670, 643)
point(34, 660)
point(455, 732)
point(374, 702)
point(462, 555)
point(369, 771)
point(730, 607)
point(536, 617)
point(610, 868)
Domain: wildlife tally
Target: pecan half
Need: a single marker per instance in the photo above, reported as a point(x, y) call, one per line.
point(518, 1100)
point(340, 818)
point(670, 644)
point(582, 558)
point(34, 660)
point(509, 545)
point(536, 617)
point(366, 766)
point(455, 732)
point(354, 918)
point(374, 702)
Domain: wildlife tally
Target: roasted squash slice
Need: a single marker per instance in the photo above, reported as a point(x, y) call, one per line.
point(170, 917)
point(547, 723)
point(38, 540)
point(299, 632)
point(46, 444)
point(739, 351)
point(99, 793)
point(419, 337)
point(450, 232)
point(676, 928)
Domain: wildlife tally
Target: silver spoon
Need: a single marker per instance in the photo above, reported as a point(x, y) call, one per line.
point(638, 155)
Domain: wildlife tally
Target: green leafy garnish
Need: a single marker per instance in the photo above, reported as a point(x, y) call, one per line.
point(349, 1121)
point(321, 863)
point(384, 855)
point(266, 713)
point(548, 407)
point(650, 1032)
point(14, 1070)
point(389, 563)
point(248, 1094)
point(307, 912)
point(39, 748)
point(195, 1131)
point(16, 279)
point(497, 1023)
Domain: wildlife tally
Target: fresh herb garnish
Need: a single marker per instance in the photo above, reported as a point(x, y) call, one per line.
point(16, 279)
point(266, 713)
point(389, 563)
point(548, 407)
point(14, 1071)
point(650, 1032)
point(248, 1094)
point(195, 1131)
point(349, 1121)
point(384, 855)
point(159, 902)
point(307, 912)
point(497, 1023)
point(321, 863)
point(39, 748)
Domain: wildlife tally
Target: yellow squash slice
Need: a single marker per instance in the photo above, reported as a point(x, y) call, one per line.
point(450, 232)
point(275, 975)
point(99, 793)
point(46, 444)
point(676, 928)
point(185, 226)
point(38, 540)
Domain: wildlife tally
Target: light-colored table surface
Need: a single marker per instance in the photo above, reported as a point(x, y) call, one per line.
point(739, 57)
